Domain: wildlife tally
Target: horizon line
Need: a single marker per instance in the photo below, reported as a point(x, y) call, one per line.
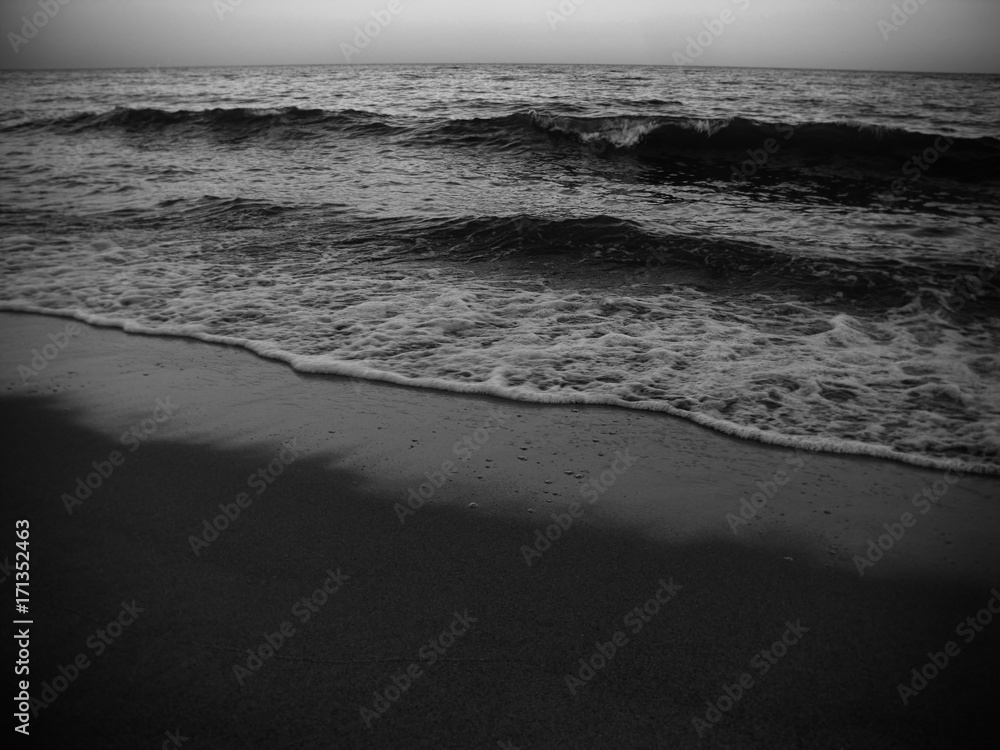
point(524, 64)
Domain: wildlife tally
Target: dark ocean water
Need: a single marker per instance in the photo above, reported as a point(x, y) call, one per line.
point(801, 257)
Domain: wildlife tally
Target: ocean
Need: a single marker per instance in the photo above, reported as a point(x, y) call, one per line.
point(805, 258)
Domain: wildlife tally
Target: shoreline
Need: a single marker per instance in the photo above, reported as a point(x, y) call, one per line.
point(613, 426)
point(303, 365)
point(664, 488)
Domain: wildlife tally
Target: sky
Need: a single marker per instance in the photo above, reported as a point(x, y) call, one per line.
point(905, 35)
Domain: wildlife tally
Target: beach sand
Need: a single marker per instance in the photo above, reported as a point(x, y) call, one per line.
point(513, 632)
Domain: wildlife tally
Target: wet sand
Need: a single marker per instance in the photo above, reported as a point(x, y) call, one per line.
point(316, 473)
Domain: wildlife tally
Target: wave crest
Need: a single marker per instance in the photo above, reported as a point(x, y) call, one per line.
point(643, 136)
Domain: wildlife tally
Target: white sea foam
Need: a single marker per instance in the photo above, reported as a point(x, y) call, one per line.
point(909, 388)
point(622, 132)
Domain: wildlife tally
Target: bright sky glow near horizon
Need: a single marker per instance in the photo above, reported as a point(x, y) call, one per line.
point(936, 36)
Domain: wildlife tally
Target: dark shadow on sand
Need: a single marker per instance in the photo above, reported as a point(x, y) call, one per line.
point(504, 680)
